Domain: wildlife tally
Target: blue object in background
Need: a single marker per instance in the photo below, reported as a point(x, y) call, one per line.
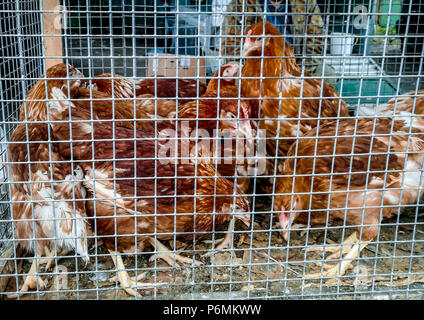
point(155, 51)
point(280, 18)
point(190, 35)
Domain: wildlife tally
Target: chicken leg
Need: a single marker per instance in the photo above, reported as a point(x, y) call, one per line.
point(224, 243)
point(335, 250)
point(31, 279)
point(340, 269)
point(168, 256)
point(126, 282)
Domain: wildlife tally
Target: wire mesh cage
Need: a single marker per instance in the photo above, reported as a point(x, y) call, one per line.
point(215, 149)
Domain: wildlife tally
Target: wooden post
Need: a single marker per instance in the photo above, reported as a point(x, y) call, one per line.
point(52, 27)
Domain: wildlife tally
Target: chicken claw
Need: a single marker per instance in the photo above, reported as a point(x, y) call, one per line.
point(335, 250)
point(125, 281)
point(31, 283)
point(134, 278)
point(31, 280)
point(169, 257)
point(224, 243)
point(340, 269)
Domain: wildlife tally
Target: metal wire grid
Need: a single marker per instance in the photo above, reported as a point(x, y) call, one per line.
point(268, 267)
point(20, 65)
point(95, 21)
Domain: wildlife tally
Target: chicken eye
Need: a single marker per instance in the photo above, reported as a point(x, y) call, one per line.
point(232, 116)
point(237, 207)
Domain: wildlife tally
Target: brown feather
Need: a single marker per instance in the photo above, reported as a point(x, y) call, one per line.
point(188, 89)
point(289, 89)
point(32, 194)
point(135, 176)
point(34, 106)
point(351, 170)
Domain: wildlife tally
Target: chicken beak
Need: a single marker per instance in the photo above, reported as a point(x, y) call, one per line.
point(284, 222)
point(76, 77)
point(246, 128)
point(76, 73)
point(233, 70)
point(247, 47)
point(248, 44)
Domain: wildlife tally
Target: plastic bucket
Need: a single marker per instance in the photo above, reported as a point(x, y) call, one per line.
point(342, 43)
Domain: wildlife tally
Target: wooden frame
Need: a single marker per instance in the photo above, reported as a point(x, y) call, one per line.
point(52, 37)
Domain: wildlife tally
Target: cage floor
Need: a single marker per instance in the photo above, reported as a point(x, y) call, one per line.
point(256, 268)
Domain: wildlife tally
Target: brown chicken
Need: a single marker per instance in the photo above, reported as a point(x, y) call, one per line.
point(202, 115)
point(98, 103)
point(123, 88)
point(34, 107)
point(147, 105)
point(188, 89)
point(124, 189)
point(224, 77)
point(205, 108)
point(34, 181)
point(287, 105)
point(405, 105)
point(156, 108)
point(168, 108)
point(360, 178)
point(48, 200)
point(100, 106)
point(234, 124)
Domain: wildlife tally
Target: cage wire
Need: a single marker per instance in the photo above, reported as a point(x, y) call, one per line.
point(21, 64)
point(371, 52)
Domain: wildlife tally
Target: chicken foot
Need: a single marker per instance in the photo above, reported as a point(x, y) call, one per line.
point(341, 268)
point(31, 279)
point(133, 278)
point(169, 257)
point(125, 281)
point(224, 243)
point(335, 250)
